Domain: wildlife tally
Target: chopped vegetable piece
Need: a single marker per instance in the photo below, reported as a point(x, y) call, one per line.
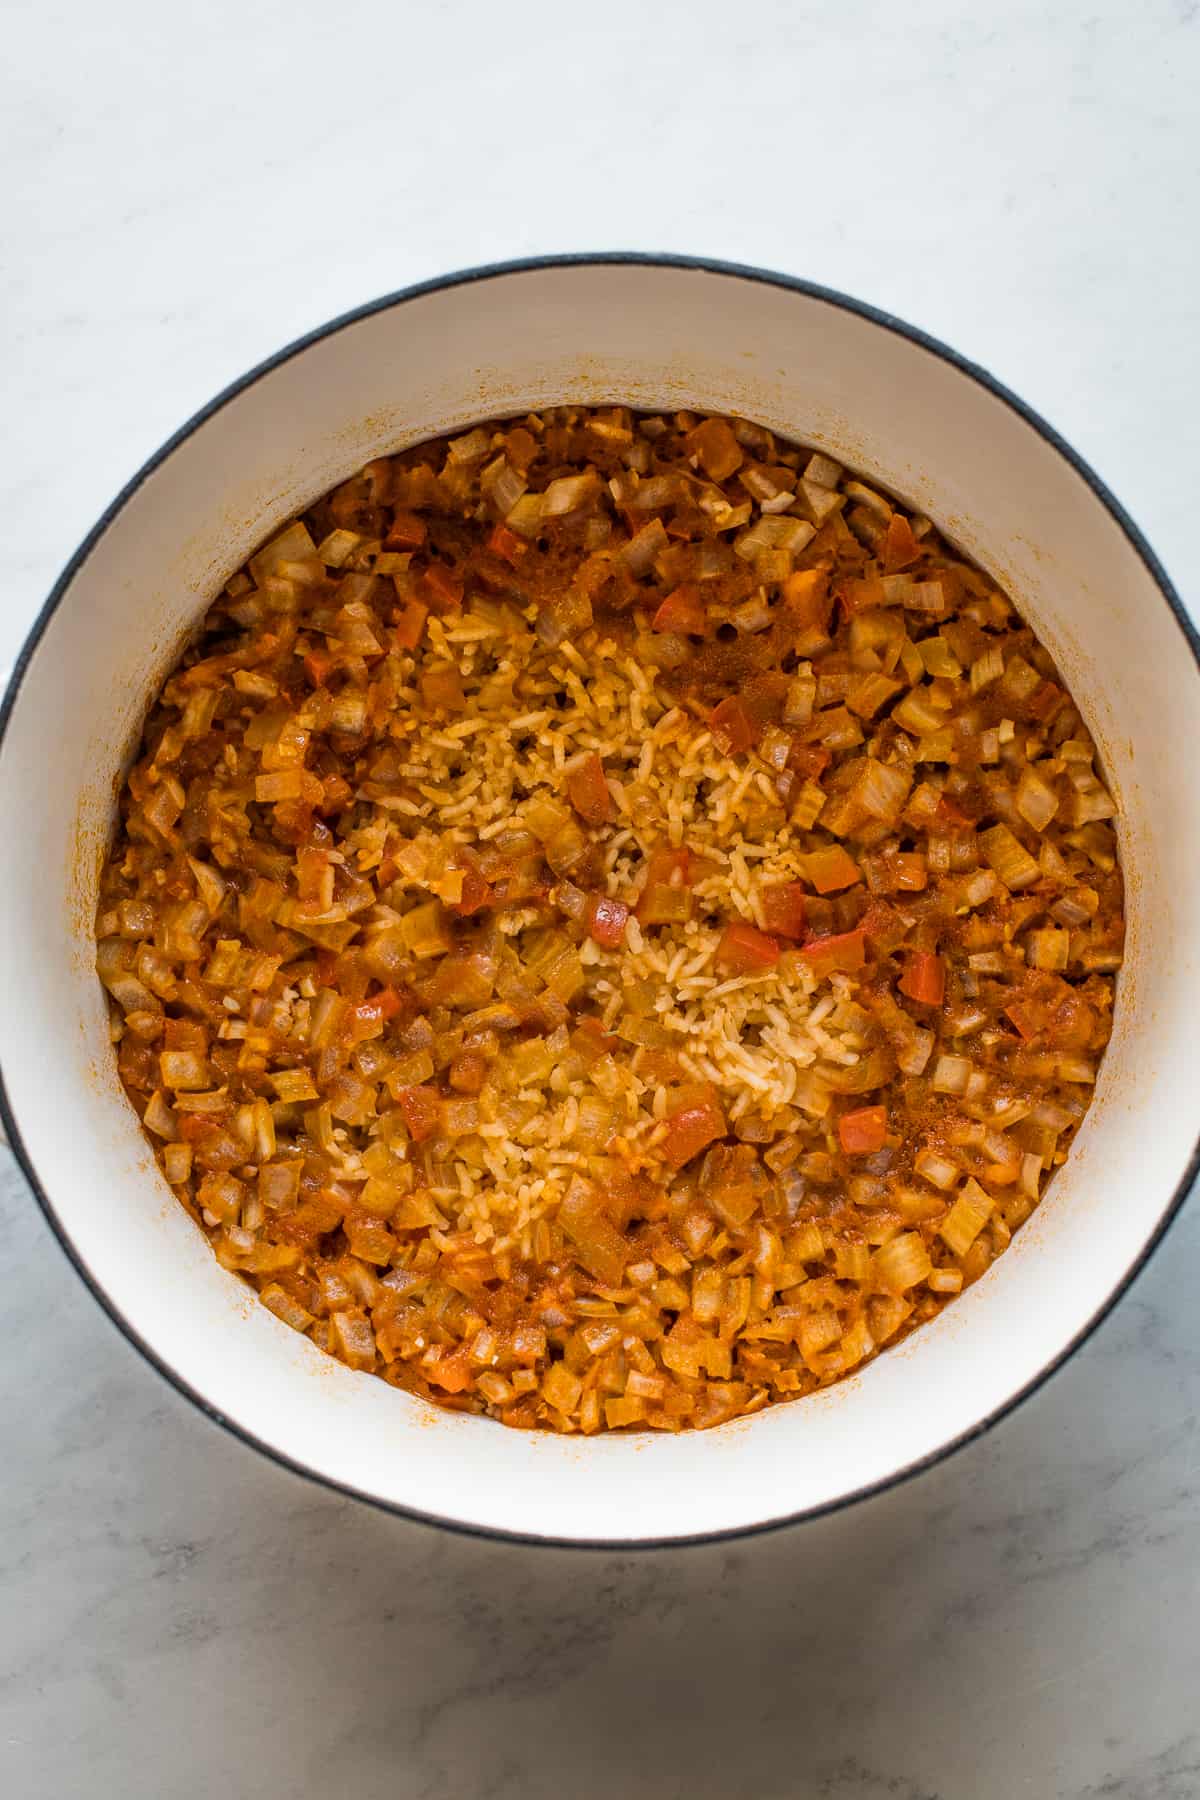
point(924, 978)
point(831, 871)
point(783, 909)
point(840, 951)
point(731, 727)
point(588, 790)
point(746, 950)
point(682, 611)
point(691, 1129)
point(863, 1131)
point(606, 922)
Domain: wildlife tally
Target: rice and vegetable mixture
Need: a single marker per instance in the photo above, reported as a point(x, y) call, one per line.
point(613, 922)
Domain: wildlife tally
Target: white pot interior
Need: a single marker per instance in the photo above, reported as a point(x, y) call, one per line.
point(653, 336)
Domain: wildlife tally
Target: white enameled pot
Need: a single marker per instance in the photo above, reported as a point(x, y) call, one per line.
point(654, 333)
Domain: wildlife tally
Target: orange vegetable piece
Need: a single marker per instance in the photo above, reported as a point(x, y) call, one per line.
point(746, 950)
point(410, 624)
point(453, 1371)
point(731, 727)
point(422, 1109)
point(607, 920)
point(863, 1131)
point(319, 666)
point(805, 594)
point(924, 978)
point(900, 547)
point(783, 909)
point(682, 611)
point(506, 544)
point(832, 870)
point(690, 1130)
point(715, 448)
point(443, 587)
point(407, 532)
point(476, 894)
point(842, 952)
point(666, 896)
point(588, 792)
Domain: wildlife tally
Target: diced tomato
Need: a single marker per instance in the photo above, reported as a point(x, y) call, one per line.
point(909, 872)
point(950, 813)
point(410, 623)
point(783, 909)
point(442, 688)
point(809, 760)
point(443, 587)
point(682, 611)
point(666, 897)
point(592, 1040)
point(900, 547)
point(452, 1372)
point(884, 927)
point(422, 1109)
point(1028, 1018)
point(924, 978)
point(366, 1020)
point(860, 594)
point(843, 951)
point(863, 1131)
point(588, 792)
point(476, 894)
point(831, 870)
point(407, 532)
point(746, 950)
point(606, 922)
point(1045, 702)
point(730, 725)
point(805, 594)
point(689, 1131)
point(715, 448)
point(318, 665)
point(506, 544)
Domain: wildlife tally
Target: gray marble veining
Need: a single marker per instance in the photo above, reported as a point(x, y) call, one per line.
point(185, 191)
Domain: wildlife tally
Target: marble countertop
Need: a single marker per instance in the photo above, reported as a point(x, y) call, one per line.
point(178, 1618)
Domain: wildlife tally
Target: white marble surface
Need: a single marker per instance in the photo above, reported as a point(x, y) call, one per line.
point(185, 189)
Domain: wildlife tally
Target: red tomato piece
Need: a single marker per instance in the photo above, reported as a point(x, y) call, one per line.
point(731, 728)
point(318, 665)
point(410, 624)
point(666, 897)
point(783, 909)
point(831, 870)
point(506, 544)
point(690, 1129)
point(924, 978)
point(863, 1131)
point(900, 547)
point(476, 894)
point(443, 587)
point(746, 950)
point(806, 599)
point(422, 1109)
point(843, 951)
point(452, 1372)
point(607, 921)
point(682, 611)
point(588, 792)
point(407, 533)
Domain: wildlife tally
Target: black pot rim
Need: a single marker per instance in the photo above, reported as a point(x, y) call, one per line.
point(486, 272)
